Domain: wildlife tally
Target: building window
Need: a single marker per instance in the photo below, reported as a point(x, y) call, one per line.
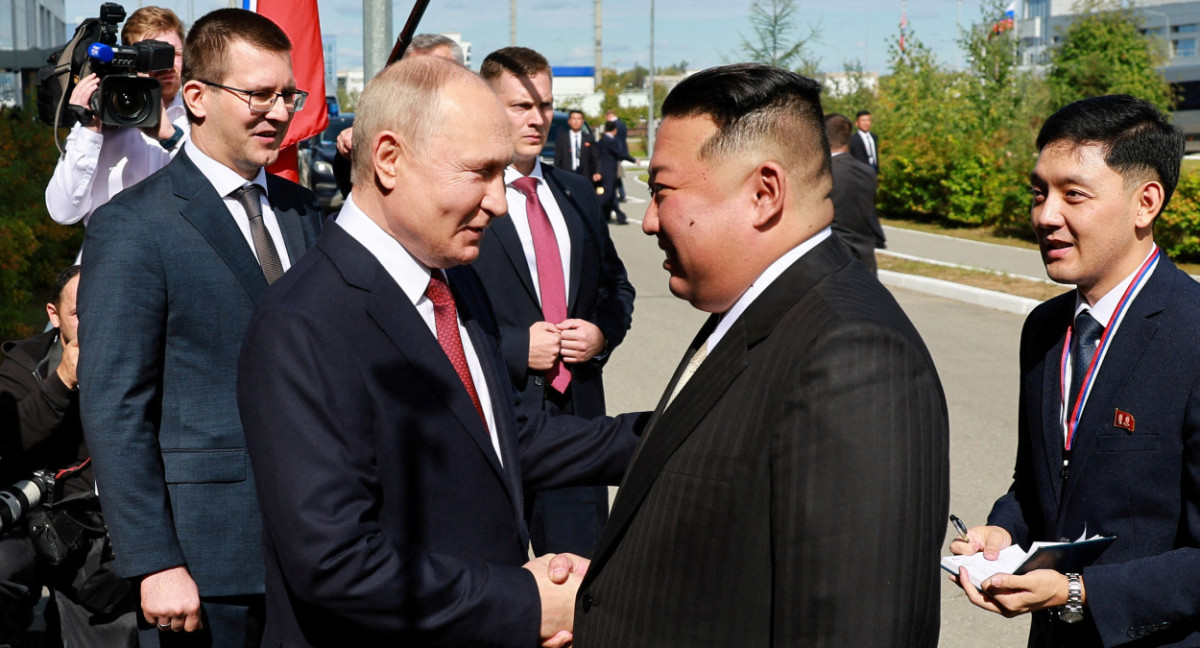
point(1184, 29)
point(1185, 47)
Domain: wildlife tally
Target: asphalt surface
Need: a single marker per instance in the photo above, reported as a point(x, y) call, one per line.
point(974, 347)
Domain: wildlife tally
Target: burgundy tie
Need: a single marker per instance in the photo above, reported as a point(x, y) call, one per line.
point(550, 274)
point(445, 317)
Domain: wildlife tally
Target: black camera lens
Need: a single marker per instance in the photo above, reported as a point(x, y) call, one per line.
point(129, 104)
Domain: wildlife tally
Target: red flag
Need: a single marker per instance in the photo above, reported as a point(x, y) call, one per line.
point(300, 21)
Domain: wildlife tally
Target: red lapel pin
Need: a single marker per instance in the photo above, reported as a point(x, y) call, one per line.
point(1123, 420)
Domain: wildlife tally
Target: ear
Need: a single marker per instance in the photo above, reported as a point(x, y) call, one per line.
point(193, 97)
point(1149, 203)
point(52, 313)
point(387, 151)
point(768, 182)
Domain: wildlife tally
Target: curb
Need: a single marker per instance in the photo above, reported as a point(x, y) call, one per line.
point(959, 292)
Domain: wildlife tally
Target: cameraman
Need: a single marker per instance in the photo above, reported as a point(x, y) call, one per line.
point(40, 429)
point(98, 163)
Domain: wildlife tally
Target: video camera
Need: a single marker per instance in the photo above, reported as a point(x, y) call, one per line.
point(123, 98)
point(21, 497)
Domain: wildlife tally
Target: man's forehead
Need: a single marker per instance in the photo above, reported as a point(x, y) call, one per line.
point(1068, 161)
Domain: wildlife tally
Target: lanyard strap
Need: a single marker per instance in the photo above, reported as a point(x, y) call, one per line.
point(1085, 389)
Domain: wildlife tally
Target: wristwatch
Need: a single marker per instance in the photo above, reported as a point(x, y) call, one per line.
point(1072, 611)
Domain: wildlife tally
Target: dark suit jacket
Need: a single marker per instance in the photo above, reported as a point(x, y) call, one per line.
point(854, 217)
point(859, 150)
point(588, 155)
point(167, 289)
point(1142, 486)
point(622, 131)
point(612, 151)
point(388, 518)
point(598, 291)
point(795, 493)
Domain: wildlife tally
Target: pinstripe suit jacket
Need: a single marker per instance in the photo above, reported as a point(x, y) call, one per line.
point(795, 492)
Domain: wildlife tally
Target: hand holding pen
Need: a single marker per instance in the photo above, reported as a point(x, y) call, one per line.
point(988, 539)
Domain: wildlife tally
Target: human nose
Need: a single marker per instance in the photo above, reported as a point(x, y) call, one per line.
point(650, 219)
point(495, 203)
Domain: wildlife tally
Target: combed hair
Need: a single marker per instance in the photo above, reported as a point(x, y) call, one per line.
point(61, 282)
point(404, 98)
point(1138, 139)
point(423, 43)
point(837, 130)
point(757, 107)
point(517, 61)
point(206, 52)
point(148, 21)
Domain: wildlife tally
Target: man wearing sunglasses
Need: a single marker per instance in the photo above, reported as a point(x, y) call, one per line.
point(179, 262)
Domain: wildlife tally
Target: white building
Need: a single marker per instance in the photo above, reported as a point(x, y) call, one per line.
point(1040, 25)
point(28, 25)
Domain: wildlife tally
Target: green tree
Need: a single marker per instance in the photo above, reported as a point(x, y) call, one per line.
point(1102, 52)
point(773, 23)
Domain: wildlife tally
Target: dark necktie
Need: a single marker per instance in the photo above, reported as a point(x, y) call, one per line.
point(1083, 348)
point(264, 247)
point(445, 318)
point(550, 273)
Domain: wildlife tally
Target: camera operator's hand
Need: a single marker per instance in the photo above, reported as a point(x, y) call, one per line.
point(66, 368)
point(165, 128)
point(171, 601)
point(82, 96)
point(345, 141)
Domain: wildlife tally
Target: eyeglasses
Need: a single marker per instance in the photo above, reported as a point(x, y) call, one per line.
point(262, 101)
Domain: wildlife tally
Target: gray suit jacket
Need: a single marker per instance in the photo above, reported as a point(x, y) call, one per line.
point(795, 493)
point(167, 289)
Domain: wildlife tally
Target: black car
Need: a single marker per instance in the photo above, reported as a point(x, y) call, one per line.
point(316, 162)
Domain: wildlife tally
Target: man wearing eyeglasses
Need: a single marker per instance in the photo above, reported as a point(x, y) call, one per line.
point(179, 262)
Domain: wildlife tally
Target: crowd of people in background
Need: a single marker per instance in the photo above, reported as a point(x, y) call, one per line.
point(252, 425)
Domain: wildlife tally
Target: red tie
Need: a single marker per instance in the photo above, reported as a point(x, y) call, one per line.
point(550, 274)
point(445, 316)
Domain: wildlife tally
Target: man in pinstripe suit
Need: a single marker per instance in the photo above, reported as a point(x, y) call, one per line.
point(792, 486)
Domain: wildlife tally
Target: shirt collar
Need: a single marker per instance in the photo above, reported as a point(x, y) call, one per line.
point(222, 178)
point(1104, 308)
point(410, 274)
point(765, 279)
point(511, 174)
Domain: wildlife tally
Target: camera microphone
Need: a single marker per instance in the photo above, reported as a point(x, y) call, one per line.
point(100, 52)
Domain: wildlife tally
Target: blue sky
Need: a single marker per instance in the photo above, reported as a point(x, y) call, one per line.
point(702, 32)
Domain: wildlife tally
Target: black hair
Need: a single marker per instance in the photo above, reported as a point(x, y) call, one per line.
point(1136, 136)
point(61, 282)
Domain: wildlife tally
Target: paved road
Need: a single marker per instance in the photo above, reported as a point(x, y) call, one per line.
point(975, 350)
point(1003, 258)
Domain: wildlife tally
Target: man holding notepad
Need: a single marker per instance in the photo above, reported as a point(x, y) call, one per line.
point(1110, 395)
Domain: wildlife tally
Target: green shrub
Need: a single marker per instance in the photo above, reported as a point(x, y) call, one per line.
point(1177, 230)
point(33, 248)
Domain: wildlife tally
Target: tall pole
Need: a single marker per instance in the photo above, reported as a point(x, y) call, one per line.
point(599, 43)
point(377, 36)
point(512, 23)
point(650, 108)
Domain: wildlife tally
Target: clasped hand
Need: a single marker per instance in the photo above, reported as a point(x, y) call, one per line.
point(558, 577)
point(1006, 594)
point(575, 340)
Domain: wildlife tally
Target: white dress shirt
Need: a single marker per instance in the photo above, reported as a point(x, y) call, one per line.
point(95, 166)
point(516, 211)
point(869, 143)
point(413, 278)
point(226, 181)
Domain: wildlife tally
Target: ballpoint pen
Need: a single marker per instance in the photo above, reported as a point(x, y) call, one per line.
point(960, 528)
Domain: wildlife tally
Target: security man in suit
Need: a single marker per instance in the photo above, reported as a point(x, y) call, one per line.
point(864, 145)
point(575, 150)
point(558, 288)
point(391, 479)
point(174, 268)
point(1110, 394)
point(854, 217)
point(792, 485)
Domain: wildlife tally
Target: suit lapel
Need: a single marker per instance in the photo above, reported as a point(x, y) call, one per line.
point(399, 320)
point(1125, 352)
point(288, 214)
point(206, 211)
point(565, 199)
point(670, 427)
point(1048, 384)
point(506, 235)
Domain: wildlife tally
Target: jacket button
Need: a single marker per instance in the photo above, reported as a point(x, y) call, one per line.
point(588, 602)
point(537, 380)
point(1131, 633)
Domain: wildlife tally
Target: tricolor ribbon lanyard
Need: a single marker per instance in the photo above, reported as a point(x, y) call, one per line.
point(1085, 389)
